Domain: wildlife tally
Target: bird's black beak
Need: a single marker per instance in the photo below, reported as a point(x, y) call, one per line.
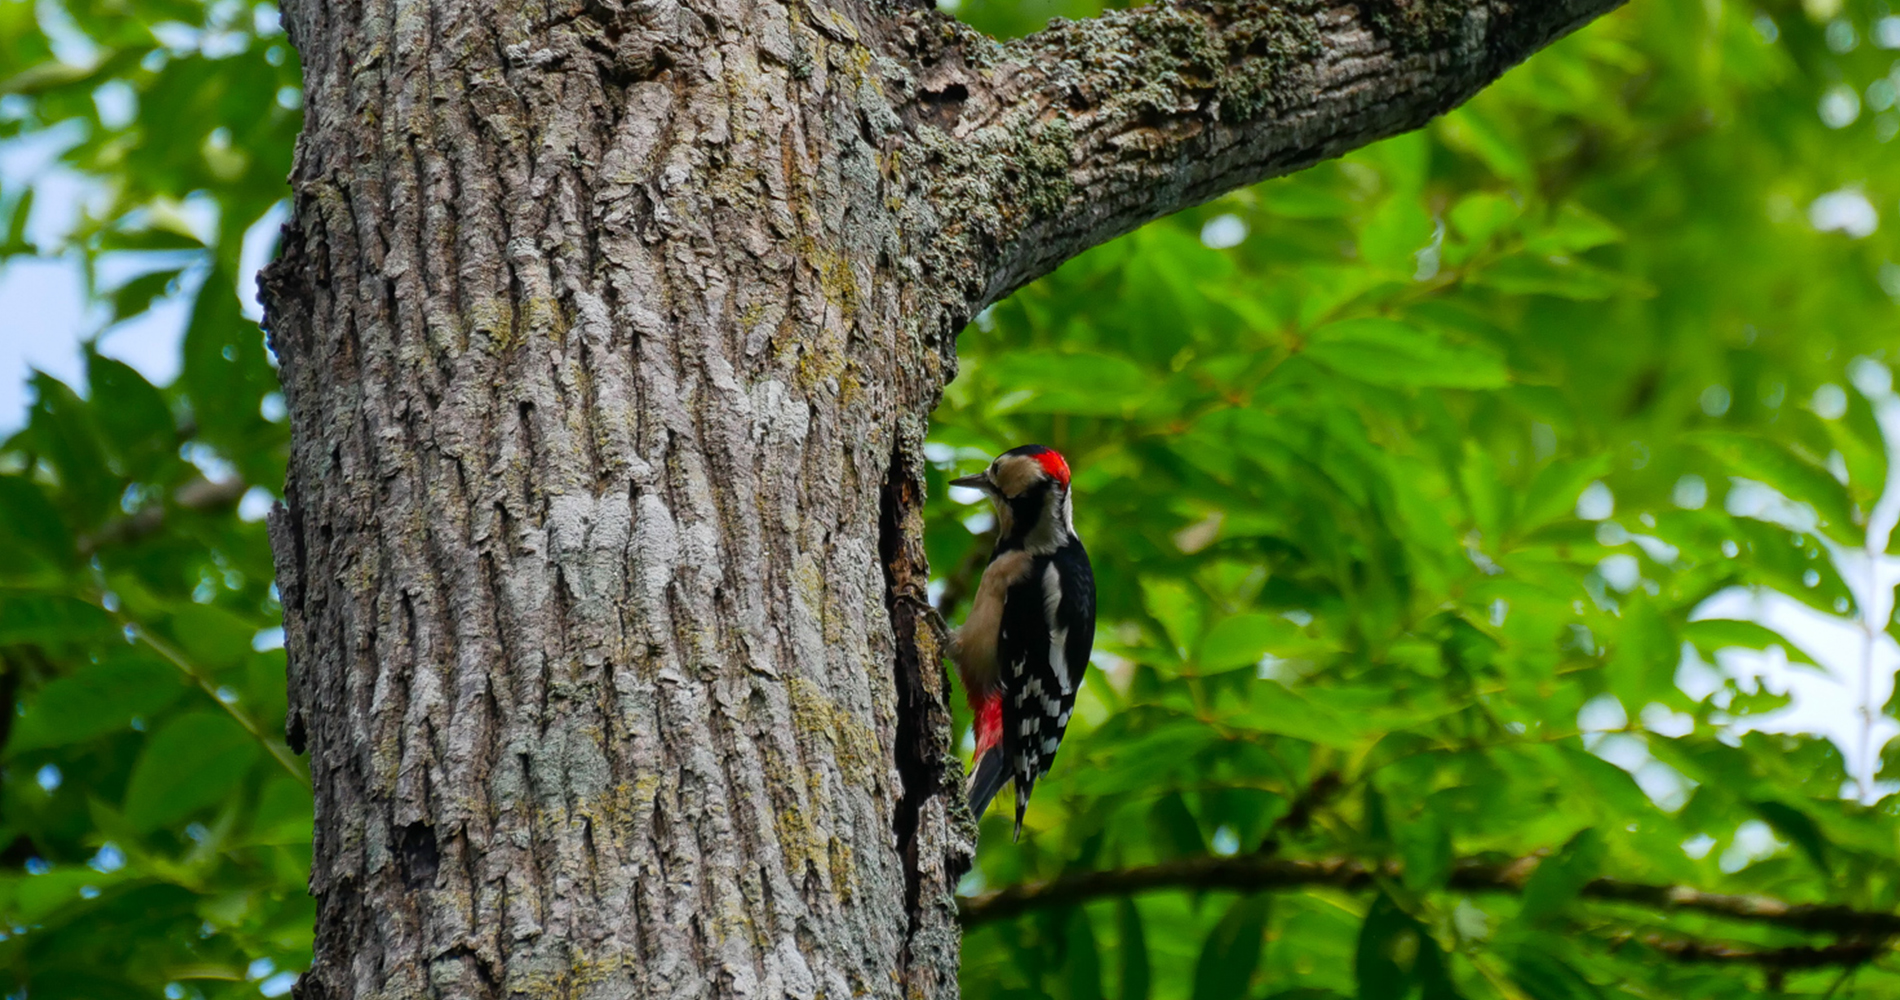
point(980, 481)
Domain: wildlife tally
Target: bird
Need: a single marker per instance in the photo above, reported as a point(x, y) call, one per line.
point(1024, 647)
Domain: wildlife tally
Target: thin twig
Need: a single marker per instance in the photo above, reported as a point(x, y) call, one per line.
point(177, 659)
point(1846, 974)
point(1300, 814)
point(198, 494)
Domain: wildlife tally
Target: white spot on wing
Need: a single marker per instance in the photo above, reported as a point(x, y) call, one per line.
point(1059, 660)
point(1058, 636)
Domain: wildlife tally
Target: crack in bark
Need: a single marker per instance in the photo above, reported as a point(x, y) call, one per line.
point(918, 768)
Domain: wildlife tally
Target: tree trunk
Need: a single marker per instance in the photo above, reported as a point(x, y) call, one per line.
point(609, 331)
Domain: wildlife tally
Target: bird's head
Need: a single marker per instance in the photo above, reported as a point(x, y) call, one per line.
point(1020, 471)
point(1029, 487)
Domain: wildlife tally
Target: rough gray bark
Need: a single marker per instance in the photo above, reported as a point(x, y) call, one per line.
point(609, 332)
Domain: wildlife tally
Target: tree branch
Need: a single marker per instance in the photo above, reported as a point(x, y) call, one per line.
point(1048, 145)
point(1256, 873)
point(1848, 953)
point(196, 494)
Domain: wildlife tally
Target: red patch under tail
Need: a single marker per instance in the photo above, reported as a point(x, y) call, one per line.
point(989, 722)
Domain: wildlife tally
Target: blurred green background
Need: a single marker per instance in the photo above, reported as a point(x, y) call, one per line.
point(1511, 489)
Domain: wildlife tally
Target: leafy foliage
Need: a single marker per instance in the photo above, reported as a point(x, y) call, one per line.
point(1413, 482)
point(1418, 482)
point(155, 831)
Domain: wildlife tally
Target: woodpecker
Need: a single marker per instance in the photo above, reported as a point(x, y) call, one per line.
point(1025, 645)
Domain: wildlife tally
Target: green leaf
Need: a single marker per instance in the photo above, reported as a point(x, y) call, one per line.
point(1239, 640)
point(35, 617)
point(62, 428)
point(1425, 847)
point(1798, 827)
point(1573, 230)
point(1528, 274)
point(1175, 606)
point(1712, 634)
point(1643, 662)
point(195, 761)
point(1397, 959)
point(1773, 463)
point(226, 372)
point(1479, 217)
point(137, 425)
point(1560, 878)
point(1470, 130)
point(284, 814)
point(99, 698)
point(1399, 229)
point(30, 523)
point(1083, 959)
point(1546, 977)
point(1390, 353)
point(1305, 196)
point(212, 636)
point(136, 295)
point(1484, 490)
point(156, 238)
point(1175, 827)
point(78, 984)
point(16, 224)
point(1232, 950)
point(1091, 384)
point(1554, 490)
point(1136, 975)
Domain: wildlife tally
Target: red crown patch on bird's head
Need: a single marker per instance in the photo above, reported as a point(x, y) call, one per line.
point(1018, 470)
point(1053, 464)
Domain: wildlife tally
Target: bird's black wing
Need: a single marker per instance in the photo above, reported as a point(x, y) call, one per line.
point(1048, 630)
